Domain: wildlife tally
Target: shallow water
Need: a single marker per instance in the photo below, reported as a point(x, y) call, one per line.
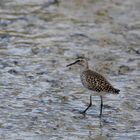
point(40, 98)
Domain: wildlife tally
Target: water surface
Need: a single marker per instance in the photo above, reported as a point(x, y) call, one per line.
point(39, 97)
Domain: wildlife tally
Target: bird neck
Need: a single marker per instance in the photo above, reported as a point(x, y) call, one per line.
point(84, 68)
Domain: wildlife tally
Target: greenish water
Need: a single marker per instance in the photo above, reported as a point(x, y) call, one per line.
point(39, 97)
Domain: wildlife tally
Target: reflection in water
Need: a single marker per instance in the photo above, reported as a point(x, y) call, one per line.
point(101, 135)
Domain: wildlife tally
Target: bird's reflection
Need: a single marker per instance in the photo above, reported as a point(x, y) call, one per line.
point(101, 126)
point(100, 136)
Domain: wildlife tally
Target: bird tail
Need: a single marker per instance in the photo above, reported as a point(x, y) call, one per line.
point(115, 91)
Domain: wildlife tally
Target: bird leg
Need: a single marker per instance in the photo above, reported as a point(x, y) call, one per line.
point(101, 106)
point(90, 104)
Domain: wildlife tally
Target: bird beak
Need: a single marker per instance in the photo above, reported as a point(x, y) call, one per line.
point(72, 63)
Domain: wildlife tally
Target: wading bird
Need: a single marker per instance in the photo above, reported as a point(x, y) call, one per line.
point(94, 82)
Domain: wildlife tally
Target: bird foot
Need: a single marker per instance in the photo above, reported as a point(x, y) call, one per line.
point(82, 112)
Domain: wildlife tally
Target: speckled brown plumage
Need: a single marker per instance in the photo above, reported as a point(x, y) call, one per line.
point(96, 82)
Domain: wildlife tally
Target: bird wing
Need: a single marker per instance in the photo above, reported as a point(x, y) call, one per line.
point(95, 81)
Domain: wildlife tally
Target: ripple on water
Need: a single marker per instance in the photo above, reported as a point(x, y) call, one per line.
point(39, 97)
